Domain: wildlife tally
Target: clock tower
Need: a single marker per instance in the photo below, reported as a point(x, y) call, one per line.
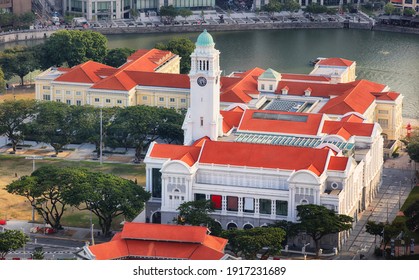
point(203, 117)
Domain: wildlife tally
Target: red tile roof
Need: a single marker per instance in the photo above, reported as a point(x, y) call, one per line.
point(238, 88)
point(160, 79)
point(308, 127)
point(352, 118)
point(304, 77)
point(231, 119)
point(187, 154)
point(157, 241)
point(147, 60)
point(338, 163)
point(200, 142)
point(347, 129)
point(268, 156)
point(389, 95)
point(335, 61)
point(83, 73)
point(397, 1)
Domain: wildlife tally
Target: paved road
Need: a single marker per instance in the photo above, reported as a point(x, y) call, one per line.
point(395, 188)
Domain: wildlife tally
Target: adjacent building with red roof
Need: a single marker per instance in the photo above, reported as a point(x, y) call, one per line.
point(139, 241)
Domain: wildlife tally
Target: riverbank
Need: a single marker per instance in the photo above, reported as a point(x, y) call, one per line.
point(36, 34)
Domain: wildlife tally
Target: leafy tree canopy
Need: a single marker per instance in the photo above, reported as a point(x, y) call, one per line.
point(318, 221)
point(182, 47)
point(75, 47)
point(2, 81)
point(168, 12)
point(46, 189)
point(117, 57)
point(413, 147)
point(389, 8)
point(249, 242)
point(18, 61)
point(13, 117)
point(197, 213)
point(11, 240)
point(108, 196)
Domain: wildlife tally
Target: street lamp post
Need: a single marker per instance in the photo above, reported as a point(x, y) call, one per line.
point(33, 158)
point(101, 136)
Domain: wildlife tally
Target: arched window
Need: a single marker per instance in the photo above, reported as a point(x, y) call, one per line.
point(231, 226)
point(247, 226)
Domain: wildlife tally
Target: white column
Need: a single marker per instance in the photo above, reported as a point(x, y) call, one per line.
point(273, 209)
point(224, 204)
point(240, 206)
point(256, 207)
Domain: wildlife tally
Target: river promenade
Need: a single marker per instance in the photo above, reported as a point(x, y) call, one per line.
point(211, 21)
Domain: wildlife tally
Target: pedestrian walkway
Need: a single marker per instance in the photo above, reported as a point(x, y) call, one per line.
point(395, 188)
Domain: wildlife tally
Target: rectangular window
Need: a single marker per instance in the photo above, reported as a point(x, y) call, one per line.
point(172, 100)
point(78, 102)
point(248, 205)
point(96, 99)
point(385, 112)
point(46, 97)
point(271, 87)
point(58, 100)
point(156, 183)
point(46, 87)
point(282, 208)
point(119, 101)
point(68, 101)
point(68, 92)
point(232, 203)
point(202, 121)
point(161, 99)
point(183, 100)
point(216, 201)
point(262, 87)
point(78, 92)
point(144, 97)
point(265, 206)
point(383, 123)
point(108, 101)
point(58, 91)
point(200, 196)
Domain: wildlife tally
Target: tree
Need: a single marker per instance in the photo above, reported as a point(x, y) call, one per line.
point(13, 115)
point(316, 8)
point(2, 81)
point(197, 213)
point(375, 229)
point(117, 57)
point(46, 188)
point(18, 61)
point(182, 47)
point(412, 214)
point(168, 12)
point(11, 240)
point(272, 7)
point(250, 242)
point(75, 47)
point(108, 196)
point(56, 124)
point(290, 228)
point(38, 254)
point(135, 126)
point(90, 131)
point(413, 147)
point(318, 221)
point(170, 128)
point(290, 5)
point(185, 13)
point(409, 12)
point(389, 8)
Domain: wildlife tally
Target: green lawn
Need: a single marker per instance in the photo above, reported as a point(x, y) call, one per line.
point(413, 196)
point(16, 207)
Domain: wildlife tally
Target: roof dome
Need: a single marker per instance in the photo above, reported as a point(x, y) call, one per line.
point(204, 39)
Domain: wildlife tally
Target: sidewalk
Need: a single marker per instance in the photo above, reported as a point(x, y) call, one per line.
point(395, 188)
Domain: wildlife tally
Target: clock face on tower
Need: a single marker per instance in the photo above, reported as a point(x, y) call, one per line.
point(201, 81)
